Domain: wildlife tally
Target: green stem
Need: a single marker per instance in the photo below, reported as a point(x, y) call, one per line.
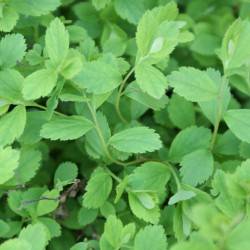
point(119, 94)
point(174, 174)
point(115, 177)
point(36, 105)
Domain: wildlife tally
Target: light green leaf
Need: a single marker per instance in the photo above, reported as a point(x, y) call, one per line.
point(66, 173)
point(238, 121)
point(12, 50)
point(197, 167)
point(11, 84)
point(35, 235)
point(98, 189)
point(95, 79)
point(29, 164)
point(4, 228)
point(193, 84)
point(8, 19)
point(107, 209)
point(53, 227)
point(151, 237)
point(130, 10)
point(134, 92)
point(136, 140)
point(181, 195)
point(48, 203)
point(39, 84)
point(34, 7)
point(150, 176)
point(57, 42)
point(17, 244)
point(66, 128)
point(139, 210)
point(12, 125)
point(181, 112)
point(151, 80)
point(189, 140)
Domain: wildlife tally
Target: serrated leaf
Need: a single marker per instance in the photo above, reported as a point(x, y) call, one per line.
point(189, 140)
point(39, 84)
point(148, 215)
point(12, 125)
point(35, 235)
point(57, 42)
point(151, 80)
point(8, 19)
point(193, 84)
point(98, 189)
point(181, 112)
point(136, 140)
point(17, 244)
point(12, 50)
point(151, 237)
point(150, 176)
point(11, 84)
point(87, 216)
point(100, 4)
point(134, 92)
point(197, 167)
point(238, 121)
point(95, 79)
point(34, 7)
point(66, 173)
point(53, 227)
point(66, 128)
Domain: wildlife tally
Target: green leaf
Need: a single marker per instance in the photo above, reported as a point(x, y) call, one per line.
point(94, 77)
point(17, 244)
point(134, 92)
point(197, 167)
point(151, 80)
point(4, 228)
point(136, 140)
point(193, 84)
point(11, 84)
point(66, 173)
point(130, 10)
point(189, 140)
point(34, 7)
point(150, 176)
point(181, 195)
point(29, 164)
point(8, 19)
point(48, 203)
point(66, 128)
point(87, 216)
point(53, 227)
point(57, 42)
point(12, 50)
point(151, 237)
point(139, 210)
point(35, 235)
point(12, 125)
point(98, 189)
point(181, 112)
point(238, 121)
point(100, 4)
point(39, 84)
point(107, 209)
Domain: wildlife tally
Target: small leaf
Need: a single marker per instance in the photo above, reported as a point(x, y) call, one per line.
point(136, 140)
point(12, 50)
point(197, 167)
point(181, 195)
point(238, 121)
point(193, 84)
point(98, 189)
point(57, 42)
point(39, 84)
point(66, 128)
point(151, 237)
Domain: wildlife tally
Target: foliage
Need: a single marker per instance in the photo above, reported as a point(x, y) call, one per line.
point(124, 124)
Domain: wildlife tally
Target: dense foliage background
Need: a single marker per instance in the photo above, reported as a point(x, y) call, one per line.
point(124, 124)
